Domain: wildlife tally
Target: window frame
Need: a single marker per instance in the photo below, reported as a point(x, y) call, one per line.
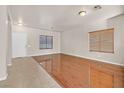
point(46, 36)
point(100, 41)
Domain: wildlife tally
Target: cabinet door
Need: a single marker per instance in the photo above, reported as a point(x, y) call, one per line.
point(99, 79)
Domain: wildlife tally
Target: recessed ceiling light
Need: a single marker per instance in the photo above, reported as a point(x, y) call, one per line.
point(82, 13)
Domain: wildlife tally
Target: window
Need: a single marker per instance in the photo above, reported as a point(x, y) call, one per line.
point(102, 41)
point(46, 42)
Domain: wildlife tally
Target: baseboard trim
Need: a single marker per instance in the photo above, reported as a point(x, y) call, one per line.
point(93, 59)
point(37, 55)
point(4, 78)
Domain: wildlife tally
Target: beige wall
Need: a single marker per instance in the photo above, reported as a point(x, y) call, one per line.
point(3, 42)
point(75, 42)
point(32, 41)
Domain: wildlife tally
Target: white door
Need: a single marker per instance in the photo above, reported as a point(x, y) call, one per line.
point(19, 41)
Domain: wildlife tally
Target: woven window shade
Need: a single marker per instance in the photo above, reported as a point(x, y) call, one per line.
point(102, 41)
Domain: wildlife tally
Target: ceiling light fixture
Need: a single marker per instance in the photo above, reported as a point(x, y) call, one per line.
point(82, 13)
point(97, 7)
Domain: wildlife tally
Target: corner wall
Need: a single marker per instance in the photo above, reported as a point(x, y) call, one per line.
point(31, 42)
point(76, 42)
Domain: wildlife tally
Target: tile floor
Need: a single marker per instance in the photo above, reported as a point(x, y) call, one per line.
point(27, 73)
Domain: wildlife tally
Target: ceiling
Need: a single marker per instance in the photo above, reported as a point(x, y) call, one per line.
point(61, 17)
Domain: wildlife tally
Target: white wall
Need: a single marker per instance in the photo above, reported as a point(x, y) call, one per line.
point(9, 44)
point(3, 42)
point(32, 42)
point(75, 42)
point(19, 41)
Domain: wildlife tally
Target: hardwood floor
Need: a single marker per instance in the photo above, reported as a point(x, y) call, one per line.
point(76, 72)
